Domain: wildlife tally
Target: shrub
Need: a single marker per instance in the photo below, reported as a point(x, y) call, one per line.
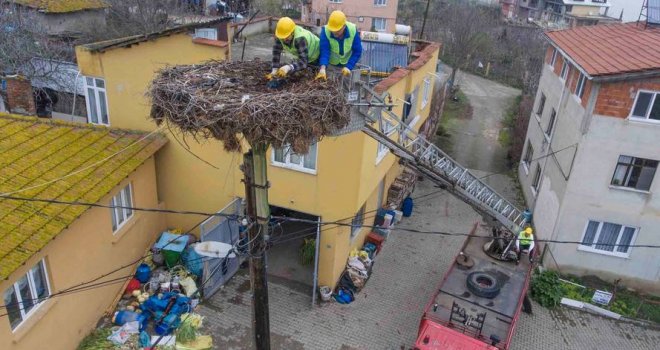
point(546, 289)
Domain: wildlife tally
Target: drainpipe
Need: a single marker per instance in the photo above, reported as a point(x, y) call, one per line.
point(75, 93)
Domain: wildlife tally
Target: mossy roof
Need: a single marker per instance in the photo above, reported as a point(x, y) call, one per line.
point(62, 6)
point(35, 151)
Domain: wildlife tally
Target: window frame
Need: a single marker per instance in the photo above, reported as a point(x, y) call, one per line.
point(581, 86)
point(31, 284)
point(380, 3)
point(355, 228)
point(592, 247)
point(382, 150)
point(551, 124)
point(426, 92)
point(335, 1)
point(536, 180)
point(528, 157)
point(541, 107)
point(654, 99)
point(287, 164)
point(628, 172)
point(384, 22)
point(97, 104)
point(565, 70)
point(127, 214)
point(202, 33)
point(553, 59)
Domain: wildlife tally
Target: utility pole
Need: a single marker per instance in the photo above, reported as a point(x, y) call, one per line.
point(426, 14)
point(256, 194)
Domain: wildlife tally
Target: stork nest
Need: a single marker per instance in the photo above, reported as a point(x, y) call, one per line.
point(221, 100)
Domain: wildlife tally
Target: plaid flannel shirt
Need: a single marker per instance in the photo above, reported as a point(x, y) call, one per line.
point(300, 45)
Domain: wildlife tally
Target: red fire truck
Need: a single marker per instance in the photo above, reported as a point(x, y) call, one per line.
point(479, 300)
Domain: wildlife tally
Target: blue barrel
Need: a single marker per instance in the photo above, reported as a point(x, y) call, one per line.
point(527, 215)
point(143, 273)
point(407, 207)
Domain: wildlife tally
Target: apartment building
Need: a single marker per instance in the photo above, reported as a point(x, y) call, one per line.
point(368, 15)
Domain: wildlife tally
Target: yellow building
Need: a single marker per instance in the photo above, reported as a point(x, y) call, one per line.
point(47, 248)
point(341, 178)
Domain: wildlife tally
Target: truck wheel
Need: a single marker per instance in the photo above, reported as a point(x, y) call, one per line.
point(483, 284)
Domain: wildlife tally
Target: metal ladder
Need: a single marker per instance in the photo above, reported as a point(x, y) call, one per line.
point(387, 128)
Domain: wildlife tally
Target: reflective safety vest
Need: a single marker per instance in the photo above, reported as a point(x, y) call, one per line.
point(313, 44)
point(525, 240)
point(335, 57)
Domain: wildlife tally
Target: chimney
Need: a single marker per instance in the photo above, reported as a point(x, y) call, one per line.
point(20, 99)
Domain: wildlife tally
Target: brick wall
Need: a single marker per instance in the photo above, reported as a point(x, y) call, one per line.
point(20, 99)
point(617, 99)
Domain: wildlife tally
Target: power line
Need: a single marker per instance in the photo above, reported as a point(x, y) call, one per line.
point(530, 161)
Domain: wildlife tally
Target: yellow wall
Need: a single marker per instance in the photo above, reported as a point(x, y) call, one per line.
point(347, 175)
point(82, 252)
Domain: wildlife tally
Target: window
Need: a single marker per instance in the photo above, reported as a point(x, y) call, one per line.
point(122, 199)
point(380, 2)
point(539, 109)
point(427, 91)
point(24, 297)
point(564, 70)
point(97, 103)
point(379, 24)
point(536, 180)
point(634, 172)
point(529, 155)
point(579, 88)
point(336, 1)
point(357, 222)
point(551, 123)
point(553, 60)
point(608, 238)
point(647, 106)
point(206, 33)
point(285, 157)
point(383, 150)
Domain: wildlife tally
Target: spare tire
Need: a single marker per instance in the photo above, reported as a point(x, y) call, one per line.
point(483, 284)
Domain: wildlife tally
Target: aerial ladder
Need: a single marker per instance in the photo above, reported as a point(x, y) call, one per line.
point(371, 115)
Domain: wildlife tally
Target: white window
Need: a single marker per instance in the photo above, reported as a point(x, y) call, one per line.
point(336, 1)
point(357, 222)
point(26, 295)
point(383, 150)
point(286, 157)
point(647, 106)
point(551, 123)
point(564, 70)
point(379, 24)
point(427, 92)
point(553, 60)
point(536, 180)
point(539, 109)
point(206, 33)
point(527, 159)
point(608, 238)
point(634, 173)
point(97, 103)
point(121, 211)
point(380, 2)
point(579, 88)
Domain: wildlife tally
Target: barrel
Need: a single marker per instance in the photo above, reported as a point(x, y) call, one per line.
point(407, 207)
point(143, 273)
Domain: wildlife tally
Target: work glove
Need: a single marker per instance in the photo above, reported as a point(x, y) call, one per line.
point(321, 75)
point(271, 74)
point(345, 71)
point(284, 70)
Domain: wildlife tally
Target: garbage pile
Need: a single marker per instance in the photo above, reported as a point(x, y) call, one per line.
point(157, 306)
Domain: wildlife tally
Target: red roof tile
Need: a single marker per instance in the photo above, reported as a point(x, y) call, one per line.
point(610, 48)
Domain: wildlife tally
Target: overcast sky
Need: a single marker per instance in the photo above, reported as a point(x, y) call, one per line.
point(630, 8)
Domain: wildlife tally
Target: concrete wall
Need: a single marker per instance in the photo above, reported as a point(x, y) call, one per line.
point(71, 22)
point(354, 9)
point(80, 253)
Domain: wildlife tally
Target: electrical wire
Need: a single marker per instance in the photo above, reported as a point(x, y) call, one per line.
point(531, 160)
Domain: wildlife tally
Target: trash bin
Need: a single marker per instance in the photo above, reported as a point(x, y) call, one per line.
point(171, 245)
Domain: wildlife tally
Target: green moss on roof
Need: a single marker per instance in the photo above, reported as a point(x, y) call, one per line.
point(35, 151)
point(62, 6)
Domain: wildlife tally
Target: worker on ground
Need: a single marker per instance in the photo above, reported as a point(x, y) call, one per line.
point(525, 242)
point(340, 45)
point(298, 41)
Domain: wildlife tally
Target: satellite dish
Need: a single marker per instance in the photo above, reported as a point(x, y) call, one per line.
point(214, 249)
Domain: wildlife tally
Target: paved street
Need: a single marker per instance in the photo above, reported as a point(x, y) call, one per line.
point(386, 312)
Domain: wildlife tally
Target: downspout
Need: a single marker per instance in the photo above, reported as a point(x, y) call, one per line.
point(75, 93)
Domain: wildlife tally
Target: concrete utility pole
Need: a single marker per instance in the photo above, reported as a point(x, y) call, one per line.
point(256, 194)
point(426, 14)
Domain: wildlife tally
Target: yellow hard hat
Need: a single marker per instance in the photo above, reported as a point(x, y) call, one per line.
point(285, 27)
point(529, 230)
point(336, 21)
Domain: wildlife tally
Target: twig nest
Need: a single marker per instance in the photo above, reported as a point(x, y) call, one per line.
point(223, 100)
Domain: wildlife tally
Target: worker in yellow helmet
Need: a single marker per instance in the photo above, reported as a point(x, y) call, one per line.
point(340, 45)
point(525, 242)
point(298, 41)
